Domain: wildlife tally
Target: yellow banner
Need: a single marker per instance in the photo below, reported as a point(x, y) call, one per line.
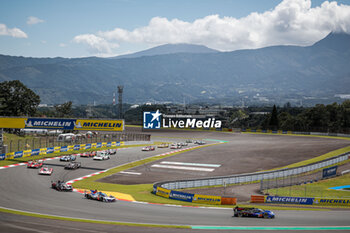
point(106, 125)
point(27, 153)
point(82, 146)
point(122, 143)
point(93, 145)
point(163, 192)
point(69, 148)
point(15, 123)
point(42, 151)
point(332, 201)
point(206, 199)
point(104, 144)
point(10, 155)
point(57, 149)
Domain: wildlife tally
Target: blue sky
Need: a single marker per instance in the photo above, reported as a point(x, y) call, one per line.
point(82, 28)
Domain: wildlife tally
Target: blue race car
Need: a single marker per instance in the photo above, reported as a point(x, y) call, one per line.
point(99, 196)
point(252, 212)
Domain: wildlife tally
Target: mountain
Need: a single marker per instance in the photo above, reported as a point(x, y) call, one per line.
point(277, 74)
point(170, 49)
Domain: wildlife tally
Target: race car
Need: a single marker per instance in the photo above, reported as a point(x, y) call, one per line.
point(182, 143)
point(99, 196)
point(61, 186)
point(72, 165)
point(45, 171)
point(199, 142)
point(252, 212)
point(188, 141)
point(175, 146)
point(88, 154)
point(68, 158)
point(35, 164)
point(112, 151)
point(148, 148)
point(101, 155)
point(164, 145)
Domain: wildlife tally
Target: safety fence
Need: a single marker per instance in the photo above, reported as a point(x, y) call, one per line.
point(52, 140)
point(58, 149)
point(251, 177)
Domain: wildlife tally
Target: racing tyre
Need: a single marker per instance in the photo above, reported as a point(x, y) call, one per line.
point(240, 215)
point(265, 215)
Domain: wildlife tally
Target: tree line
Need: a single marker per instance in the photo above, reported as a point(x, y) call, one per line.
point(334, 118)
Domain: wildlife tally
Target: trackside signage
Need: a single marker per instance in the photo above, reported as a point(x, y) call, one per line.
point(157, 120)
point(332, 201)
point(329, 172)
point(290, 200)
point(61, 124)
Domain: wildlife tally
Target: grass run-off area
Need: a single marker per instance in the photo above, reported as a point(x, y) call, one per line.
point(316, 189)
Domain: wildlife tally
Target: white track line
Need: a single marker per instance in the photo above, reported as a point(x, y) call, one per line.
point(191, 164)
point(131, 173)
point(184, 168)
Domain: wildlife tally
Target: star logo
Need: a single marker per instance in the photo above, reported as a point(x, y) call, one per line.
point(151, 120)
point(156, 115)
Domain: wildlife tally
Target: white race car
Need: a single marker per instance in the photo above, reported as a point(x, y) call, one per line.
point(101, 155)
point(45, 171)
point(175, 146)
point(148, 148)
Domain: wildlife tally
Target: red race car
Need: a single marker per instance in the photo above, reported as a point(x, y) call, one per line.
point(35, 164)
point(148, 148)
point(87, 154)
point(45, 171)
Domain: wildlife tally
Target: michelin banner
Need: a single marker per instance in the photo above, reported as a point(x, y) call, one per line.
point(61, 124)
point(332, 201)
point(290, 200)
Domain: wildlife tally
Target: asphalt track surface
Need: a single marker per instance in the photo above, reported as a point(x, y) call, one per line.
point(23, 189)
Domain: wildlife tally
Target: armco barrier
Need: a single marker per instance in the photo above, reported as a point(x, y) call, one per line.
point(250, 177)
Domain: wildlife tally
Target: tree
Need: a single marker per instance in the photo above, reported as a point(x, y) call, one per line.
point(274, 118)
point(17, 100)
point(64, 110)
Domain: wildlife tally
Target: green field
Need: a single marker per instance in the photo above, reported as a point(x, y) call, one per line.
point(317, 189)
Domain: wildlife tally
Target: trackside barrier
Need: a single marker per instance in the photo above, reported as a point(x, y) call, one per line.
point(194, 198)
point(250, 177)
point(300, 200)
point(295, 132)
point(49, 150)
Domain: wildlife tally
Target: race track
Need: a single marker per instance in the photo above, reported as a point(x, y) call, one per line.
point(23, 189)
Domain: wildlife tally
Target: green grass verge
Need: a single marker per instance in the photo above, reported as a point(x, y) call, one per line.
point(317, 189)
point(37, 215)
point(25, 159)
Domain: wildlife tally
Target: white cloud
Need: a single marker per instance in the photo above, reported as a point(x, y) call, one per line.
point(14, 32)
point(97, 45)
point(62, 45)
point(34, 20)
point(292, 22)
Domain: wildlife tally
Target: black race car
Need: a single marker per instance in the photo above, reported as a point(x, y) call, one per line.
point(61, 186)
point(252, 212)
point(72, 165)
